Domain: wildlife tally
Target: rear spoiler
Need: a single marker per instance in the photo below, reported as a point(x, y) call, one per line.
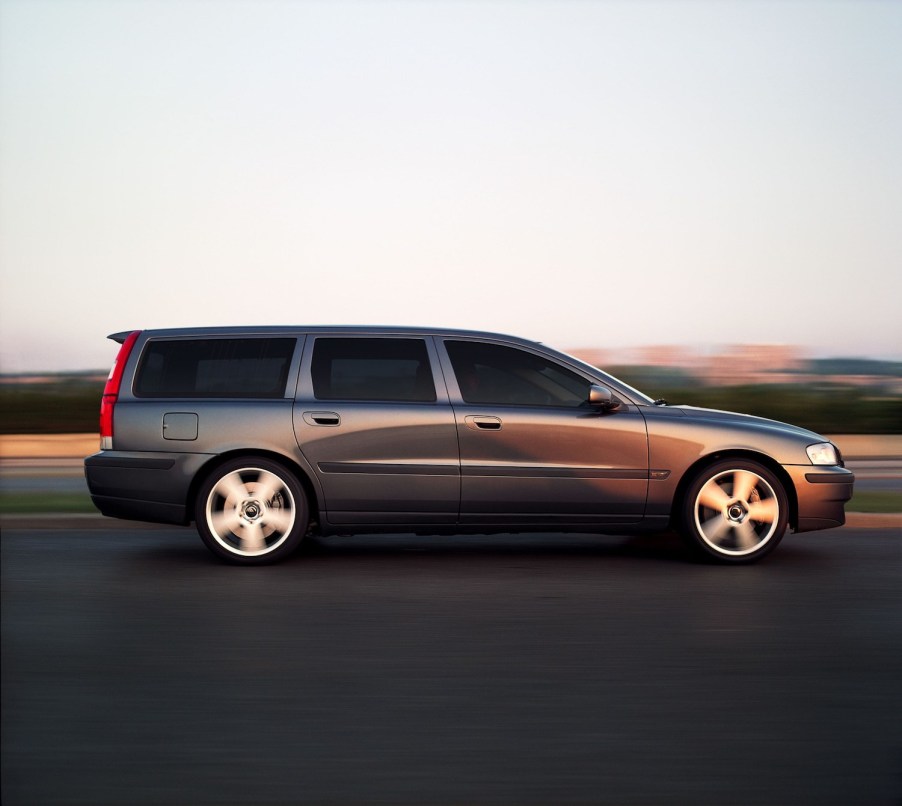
point(120, 337)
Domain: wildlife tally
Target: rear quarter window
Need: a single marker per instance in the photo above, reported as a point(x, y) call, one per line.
point(214, 368)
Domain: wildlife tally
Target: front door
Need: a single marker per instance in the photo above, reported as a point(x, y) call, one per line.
point(532, 450)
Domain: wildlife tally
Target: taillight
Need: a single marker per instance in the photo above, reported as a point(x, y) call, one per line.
point(111, 391)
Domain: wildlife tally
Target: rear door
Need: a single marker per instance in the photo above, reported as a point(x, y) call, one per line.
point(532, 450)
point(373, 419)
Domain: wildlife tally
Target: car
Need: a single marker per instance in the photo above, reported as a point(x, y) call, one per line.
point(264, 435)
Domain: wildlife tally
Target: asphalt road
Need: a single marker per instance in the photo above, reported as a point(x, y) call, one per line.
point(547, 669)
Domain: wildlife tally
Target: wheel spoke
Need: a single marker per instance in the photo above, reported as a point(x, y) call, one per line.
point(713, 496)
point(268, 486)
point(232, 487)
point(278, 519)
point(743, 484)
point(225, 522)
point(252, 537)
point(746, 535)
point(765, 511)
point(716, 528)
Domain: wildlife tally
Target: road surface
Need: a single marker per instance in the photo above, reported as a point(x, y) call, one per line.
point(481, 670)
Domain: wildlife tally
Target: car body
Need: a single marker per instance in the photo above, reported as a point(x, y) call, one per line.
point(262, 435)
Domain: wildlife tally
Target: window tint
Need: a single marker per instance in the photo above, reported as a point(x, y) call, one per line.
point(372, 369)
point(490, 373)
point(214, 368)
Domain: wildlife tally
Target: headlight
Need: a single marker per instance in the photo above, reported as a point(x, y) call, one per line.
point(824, 453)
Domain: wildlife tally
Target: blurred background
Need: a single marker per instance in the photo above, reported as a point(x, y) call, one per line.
point(593, 175)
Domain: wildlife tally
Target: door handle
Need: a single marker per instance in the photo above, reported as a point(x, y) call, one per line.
point(482, 422)
point(321, 418)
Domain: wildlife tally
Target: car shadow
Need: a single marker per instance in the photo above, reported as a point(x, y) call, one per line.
point(663, 547)
point(659, 546)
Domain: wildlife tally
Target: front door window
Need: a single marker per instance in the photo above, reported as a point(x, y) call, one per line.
point(505, 376)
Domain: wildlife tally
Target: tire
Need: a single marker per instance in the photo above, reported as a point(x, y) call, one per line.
point(251, 511)
point(734, 511)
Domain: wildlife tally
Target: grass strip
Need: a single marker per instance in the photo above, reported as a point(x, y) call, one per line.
point(40, 503)
point(875, 501)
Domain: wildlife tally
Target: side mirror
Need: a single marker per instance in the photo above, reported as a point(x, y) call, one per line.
point(602, 398)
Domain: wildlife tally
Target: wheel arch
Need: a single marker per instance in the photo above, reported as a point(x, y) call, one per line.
point(209, 467)
point(712, 458)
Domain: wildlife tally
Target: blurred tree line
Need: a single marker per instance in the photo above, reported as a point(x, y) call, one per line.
point(827, 410)
point(67, 406)
point(825, 407)
point(72, 404)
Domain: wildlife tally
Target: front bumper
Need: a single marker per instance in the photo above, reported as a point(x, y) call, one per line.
point(821, 495)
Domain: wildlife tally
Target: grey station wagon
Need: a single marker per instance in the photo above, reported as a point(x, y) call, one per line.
point(263, 435)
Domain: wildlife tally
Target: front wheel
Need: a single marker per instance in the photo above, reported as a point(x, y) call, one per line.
point(251, 511)
point(734, 511)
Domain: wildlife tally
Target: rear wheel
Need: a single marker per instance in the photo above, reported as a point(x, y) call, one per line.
point(734, 511)
point(251, 511)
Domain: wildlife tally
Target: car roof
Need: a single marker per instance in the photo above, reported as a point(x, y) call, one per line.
point(296, 330)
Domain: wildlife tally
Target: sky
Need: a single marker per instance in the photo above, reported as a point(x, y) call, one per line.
point(586, 174)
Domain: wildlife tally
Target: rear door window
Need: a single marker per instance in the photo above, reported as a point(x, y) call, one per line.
point(215, 368)
point(372, 369)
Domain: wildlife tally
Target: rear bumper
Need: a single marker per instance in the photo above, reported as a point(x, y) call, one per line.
point(143, 486)
point(821, 494)
point(132, 509)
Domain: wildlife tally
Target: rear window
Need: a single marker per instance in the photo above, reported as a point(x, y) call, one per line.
point(214, 368)
point(372, 369)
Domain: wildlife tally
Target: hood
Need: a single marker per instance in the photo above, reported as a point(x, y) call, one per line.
point(749, 420)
